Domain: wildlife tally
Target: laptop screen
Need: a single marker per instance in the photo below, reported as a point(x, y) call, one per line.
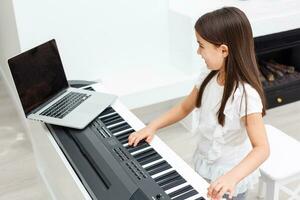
point(38, 75)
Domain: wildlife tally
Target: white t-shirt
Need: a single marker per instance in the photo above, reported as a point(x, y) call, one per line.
point(220, 148)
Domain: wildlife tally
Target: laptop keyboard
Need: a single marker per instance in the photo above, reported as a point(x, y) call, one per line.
point(65, 105)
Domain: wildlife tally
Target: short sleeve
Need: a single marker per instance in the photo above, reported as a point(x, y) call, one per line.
point(201, 78)
point(252, 100)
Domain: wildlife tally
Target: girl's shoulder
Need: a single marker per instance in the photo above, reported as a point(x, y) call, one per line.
point(245, 100)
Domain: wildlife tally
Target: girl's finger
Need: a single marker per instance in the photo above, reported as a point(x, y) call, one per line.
point(221, 193)
point(149, 139)
point(217, 189)
point(137, 140)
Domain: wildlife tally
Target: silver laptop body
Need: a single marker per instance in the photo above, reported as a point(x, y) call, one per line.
point(45, 93)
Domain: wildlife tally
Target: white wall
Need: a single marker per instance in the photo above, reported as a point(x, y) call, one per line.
point(97, 38)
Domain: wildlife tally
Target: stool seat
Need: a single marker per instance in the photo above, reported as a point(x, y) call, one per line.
point(284, 160)
point(282, 166)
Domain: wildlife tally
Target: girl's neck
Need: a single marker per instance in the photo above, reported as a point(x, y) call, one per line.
point(221, 77)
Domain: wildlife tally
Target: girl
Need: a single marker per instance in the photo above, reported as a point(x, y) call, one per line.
point(229, 101)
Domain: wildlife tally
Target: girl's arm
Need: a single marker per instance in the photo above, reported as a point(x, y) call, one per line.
point(259, 153)
point(172, 116)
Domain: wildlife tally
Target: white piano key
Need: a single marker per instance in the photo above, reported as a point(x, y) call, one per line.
point(140, 151)
point(152, 163)
point(107, 115)
point(116, 124)
point(120, 132)
point(177, 187)
point(125, 145)
point(162, 173)
point(195, 197)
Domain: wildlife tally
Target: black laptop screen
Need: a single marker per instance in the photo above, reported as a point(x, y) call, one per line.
point(38, 75)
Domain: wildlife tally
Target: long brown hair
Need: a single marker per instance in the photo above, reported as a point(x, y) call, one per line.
point(230, 26)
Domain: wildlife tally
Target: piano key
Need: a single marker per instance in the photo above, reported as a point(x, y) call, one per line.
point(169, 179)
point(180, 191)
point(137, 151)
point(186, 195)
point(176, 188)
point(122, 131)
point(162, 173)
point(149, 158)
point(196, 197)
point(156, 166)
point(140, 146)
point(173, 184)
point(152, 163)
point(110, 117)
point(114, 122)
point(124, 134)
point(119, 127)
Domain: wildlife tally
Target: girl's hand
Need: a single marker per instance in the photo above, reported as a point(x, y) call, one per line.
point(146, 133)
point(224, 184)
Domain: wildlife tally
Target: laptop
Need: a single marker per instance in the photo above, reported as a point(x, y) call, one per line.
point(44, 91)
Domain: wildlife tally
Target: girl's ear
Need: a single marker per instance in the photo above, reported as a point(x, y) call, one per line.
point(224, 50)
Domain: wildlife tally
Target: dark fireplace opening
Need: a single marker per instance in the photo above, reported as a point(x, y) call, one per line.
point(278, 57)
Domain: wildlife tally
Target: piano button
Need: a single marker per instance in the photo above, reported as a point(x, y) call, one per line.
point(140, 146)
point(186, 195)
point(176, 182)
point(180, 191)
point(120, 127)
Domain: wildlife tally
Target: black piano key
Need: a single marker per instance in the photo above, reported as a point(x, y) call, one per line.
point(180, 191)
point(119, 128)
point(150, 159)
point(159, 169)
point(114, 121)
point(186, 195)
point(110, 117)
point(156, 165)
point(140, 146)
point(144, 154)
point(200, 198)
point(176, 182)
point(124, 135)
point(107, 111)
point(165, 177)
point(170, 179)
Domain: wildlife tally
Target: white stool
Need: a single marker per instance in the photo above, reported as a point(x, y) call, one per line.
point(282, 167)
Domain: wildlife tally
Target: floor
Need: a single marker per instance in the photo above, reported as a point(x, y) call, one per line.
point(19, 178)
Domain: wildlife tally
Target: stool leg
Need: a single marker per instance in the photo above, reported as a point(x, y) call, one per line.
point(272, 190)
point(261, 189)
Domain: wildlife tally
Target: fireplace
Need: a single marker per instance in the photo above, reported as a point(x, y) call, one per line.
point(278, 56)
